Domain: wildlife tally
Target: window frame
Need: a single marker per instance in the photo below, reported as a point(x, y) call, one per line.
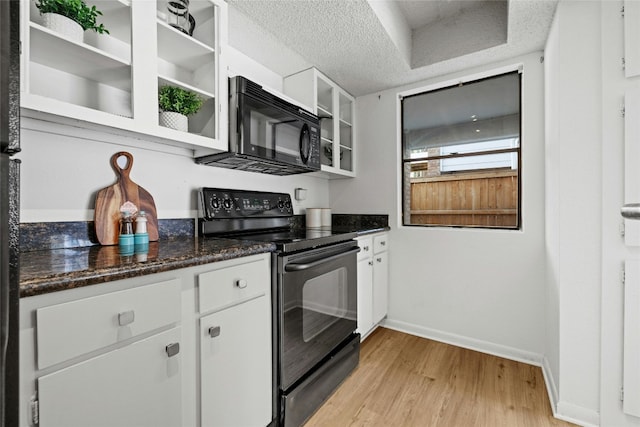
point(404, 174)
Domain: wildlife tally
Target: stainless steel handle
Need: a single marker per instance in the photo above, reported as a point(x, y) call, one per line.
point(631, 211)
point(214, 331)
point(126, 317)
point(241, 283)
point(172, 349)
point(305, 266)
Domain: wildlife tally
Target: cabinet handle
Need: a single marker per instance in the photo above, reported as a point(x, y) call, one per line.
point(241, 283)
point(126, 317)
point(383, 243)
point(172, 349)
point(379, 259)
point(214, 331)
point(370, 262)
point(365, 248)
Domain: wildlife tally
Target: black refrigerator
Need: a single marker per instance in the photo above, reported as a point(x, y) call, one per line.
point(9, 210)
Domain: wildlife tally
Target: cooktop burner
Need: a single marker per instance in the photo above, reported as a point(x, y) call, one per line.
point(259, 216)
point(297, 239)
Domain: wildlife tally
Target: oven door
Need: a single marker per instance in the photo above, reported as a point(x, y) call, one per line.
point(317, 297)
point(269, 132)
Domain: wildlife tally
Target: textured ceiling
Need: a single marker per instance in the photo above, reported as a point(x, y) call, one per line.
point(367, 46)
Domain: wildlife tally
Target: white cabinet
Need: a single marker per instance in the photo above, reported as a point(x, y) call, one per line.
point(111, 359)
point(365, 288)
point(373, 281)
point(380, 277)
point(235, 346)
point(112, 79)
point(336, 109)
point(137, 385)
point(187, 347)
point(236, 366)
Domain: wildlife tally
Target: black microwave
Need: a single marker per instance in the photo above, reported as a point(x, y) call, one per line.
point(267, 134)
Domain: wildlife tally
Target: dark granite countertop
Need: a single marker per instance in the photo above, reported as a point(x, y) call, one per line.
point(65, 255)
point(66, 268)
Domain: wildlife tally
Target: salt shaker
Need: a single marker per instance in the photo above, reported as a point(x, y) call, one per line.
point(141, 238)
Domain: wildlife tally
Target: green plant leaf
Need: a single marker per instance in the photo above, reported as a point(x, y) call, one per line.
point(76, 10)
point(178, 100)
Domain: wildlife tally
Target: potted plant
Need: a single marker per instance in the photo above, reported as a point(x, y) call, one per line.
point(175, 105)
point(70, 17)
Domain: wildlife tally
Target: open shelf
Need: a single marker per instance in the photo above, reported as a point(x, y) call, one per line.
point(52, 50)
point(179, 48)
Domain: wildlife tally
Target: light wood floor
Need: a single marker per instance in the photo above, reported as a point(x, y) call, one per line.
point(403, 381)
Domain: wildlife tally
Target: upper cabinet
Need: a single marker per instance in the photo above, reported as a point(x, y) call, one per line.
point(112, 80)
point(335, 107)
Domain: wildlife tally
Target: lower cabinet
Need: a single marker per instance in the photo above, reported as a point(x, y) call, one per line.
point(159, 350)
point(380, 286)
point(235, 366)
point(365, 295)
point(235, 346)
point(137, 385)
point(373, 281)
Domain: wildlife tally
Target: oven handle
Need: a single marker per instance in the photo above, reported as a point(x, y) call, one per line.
point(305, 266)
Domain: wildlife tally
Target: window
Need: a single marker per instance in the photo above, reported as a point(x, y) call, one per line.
point(461, 155)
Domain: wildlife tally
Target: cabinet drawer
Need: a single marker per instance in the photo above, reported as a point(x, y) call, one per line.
point(74, 328)
point(366, 247)
point(136, 385)
point(231, 285)
point(380, 243)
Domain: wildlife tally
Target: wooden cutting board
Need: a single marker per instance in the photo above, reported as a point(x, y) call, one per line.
point(110, 201)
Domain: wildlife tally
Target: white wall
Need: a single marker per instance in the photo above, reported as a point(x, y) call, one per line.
point(574, 197)
point(476, 288)
point(63, 167)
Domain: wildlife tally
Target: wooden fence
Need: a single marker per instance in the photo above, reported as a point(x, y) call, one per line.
point(488, 199)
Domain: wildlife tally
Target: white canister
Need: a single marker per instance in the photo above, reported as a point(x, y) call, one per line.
point(314, 217)
point(326, 218)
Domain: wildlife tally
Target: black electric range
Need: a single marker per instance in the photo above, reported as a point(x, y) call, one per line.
point(259, 216)
point(313, 293)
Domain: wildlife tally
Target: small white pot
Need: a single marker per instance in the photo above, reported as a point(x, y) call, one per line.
point(64, 26)
point(174, 120)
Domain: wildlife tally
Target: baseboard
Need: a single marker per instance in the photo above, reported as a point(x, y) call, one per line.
point(561, 410)
point(577, 415)
point(552, 388)
point(466, 342)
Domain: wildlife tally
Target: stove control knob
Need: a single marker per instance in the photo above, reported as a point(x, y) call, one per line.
point(287, 204)
point(280, 204)
point(227, 203)
point(215, 203)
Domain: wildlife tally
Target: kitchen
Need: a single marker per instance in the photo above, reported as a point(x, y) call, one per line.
point(558, 303)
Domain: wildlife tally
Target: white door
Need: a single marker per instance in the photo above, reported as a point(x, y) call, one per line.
point(136, 385)
point(380, 286)
point(365, 295)
point(631, 360)
point(235, 366)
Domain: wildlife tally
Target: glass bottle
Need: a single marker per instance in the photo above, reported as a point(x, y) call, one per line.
point(141, 238)
point(125, 239)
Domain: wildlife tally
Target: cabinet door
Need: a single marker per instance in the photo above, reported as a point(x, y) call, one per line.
point(236, 367)
point(365, 296)
point(380, 286)
point(137, 385)
point(631, 37)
